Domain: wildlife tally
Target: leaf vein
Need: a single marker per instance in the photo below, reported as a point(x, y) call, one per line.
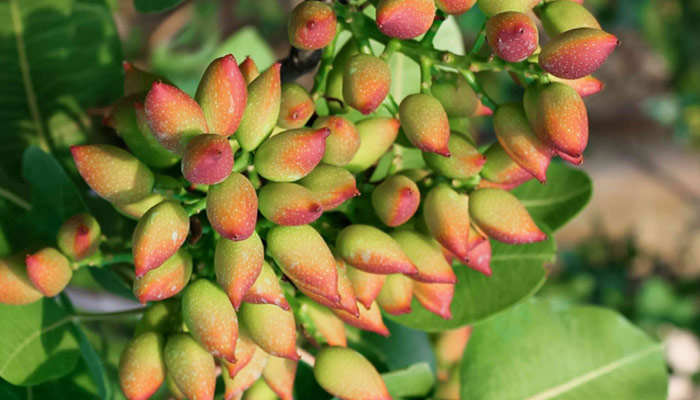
point(31, 338)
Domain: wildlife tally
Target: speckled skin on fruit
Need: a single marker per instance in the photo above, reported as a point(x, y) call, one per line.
point(335, 364)
point(396, 294)
point(279, 374)
point(322, 321)
point(377, 134)
point(291, 155)
point(246, 376)
point(173, 116)
point(249, 70)
point(232, 207)
point(426, 255)
point(519, 140)
point(365, 285)
point(305, 258)
point(479, 258)
point(245, 349)
point(425, 123)
point(331, 185)
point(502, 217)
point(17, 289)
point(454, 93)
point(312, 25)
point(165, 281)
point(371, 250)
point(501, 171)
point(455, 7)
point(586, 86)
point(207, 159)
point(79, 236)
point(366, 82)
point(136, 209)
point(464, 161)
point(49, 271)
point(405, 19)
point(564, 15)
point(288, 204)
point(296, 106)
point(446, 214)
point(237, 265)
point(192, 368)
point(435, 297)
point(342, 143)
point(271, 328)
point(266, 289)
point(158, 235)
point(493, 7)
point(222, 94)
point(370, 319)
point(262, 109)
point(141, 366)
point(395, 200)
point(577, 53)
point(113, 173)
point(512, 36)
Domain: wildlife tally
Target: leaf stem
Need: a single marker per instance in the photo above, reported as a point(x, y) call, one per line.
point(429, 36)
point(196, 207)
point(14, 199)
point(485, 99)
point(425, 75)
point(479, 41)
point(102, 260)
point(324, 68)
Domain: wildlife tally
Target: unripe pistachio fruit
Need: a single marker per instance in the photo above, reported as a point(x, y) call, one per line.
point(288, 204)
point(79, 236)
point(49, 271)
point(396, 294)
point(454, 93)
point(577, 53)
point(207, 159)
point(312, 25)
point(279, 374)
point(113, 173)
point(369, 319)
point(321, 320)
point(262, 109)
point(165, 281)
point(346, 374)
point(232, 207)
point(586, 86)
point(292, 154)
point(266, 289)
point(158, 235)
point(296, 106)
point(501, 216)
point(271, 328)
point(435, 297)
point(136, 80)
point(366, 82)
point(342, 143)
point(246, 376)
point(222, 93)
point(425, 123)
point(405, 19)
point(249, 70)
point(371, 250)
point(464, 161)
point(141, 366)
point(237, 265)
point(493, 7)
point(377, 134)
point(331, 185)
point(395, 200)
point(365, 285)
point(455, 7)
point(446, 214)
point(512, 36)
point(564, 15)
point(17, 289)
point(192, 368)
point(501, 171)
point(426, 255)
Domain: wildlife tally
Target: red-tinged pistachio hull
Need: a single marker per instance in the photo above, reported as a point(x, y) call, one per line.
point(479, 258)
point(161, 317)
point(446, 214)
point(559, 117)
point(191, 367)
point(222, 94)
point(331, 185)
point(79, 236)
point(561, 16)
point(493, 7)
point(288, 204)
point(586, 86)
point(575, 160)
point(370, 319)
point(173, 116)
point(266, 289)
point(296, 106)
point(365, 285)
point(500, 215)
point(312, 25)
point(371, 250)
point(158, 235)
point(435, 297)
point(454, 93)
point(292, 154)
point(246, 376)
point(17, 289)
point(425, 123)
point(210, 318)
point(245, 350)
point(136, 80)
point(396, 294)
point(342, 143)
point(172, 388)
point(165, 281)
point(321, 324)
point(249, 70)
point(426, 255)
point(512, 36)
point(138, 137)
point(271, 328)
point(136, 210)
point(262, 109)
point(141, 366)
point(305, 258)
point(405, 19)
point(501, 171)
point(377, 134)
point(455, 7)
point(279, 374)
point(366, 82)
point(476, 237)
point(238, 265)
point(347, 302)
point(464, 161)
point(482, 110)
point(113, 173)
point(232, 207)
point(577, 53)
point(347, 374)
point(519, 140)
point(207, 160)
point(395, 200)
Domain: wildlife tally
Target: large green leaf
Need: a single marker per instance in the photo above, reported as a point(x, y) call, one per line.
point(413, 381)
point(538, 351)
point(555, 203)
point(57, 57)
point(37, 344)
point(154, 6)
point(517, 274)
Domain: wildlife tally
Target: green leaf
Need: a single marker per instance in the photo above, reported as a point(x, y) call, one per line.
point(154, 6)
point(404, 347)
point(517, 274)
point(77, 385)
point(59, 57)
point(413, 381)
point(555, 203)
point(37, 344)
point(538, 351)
